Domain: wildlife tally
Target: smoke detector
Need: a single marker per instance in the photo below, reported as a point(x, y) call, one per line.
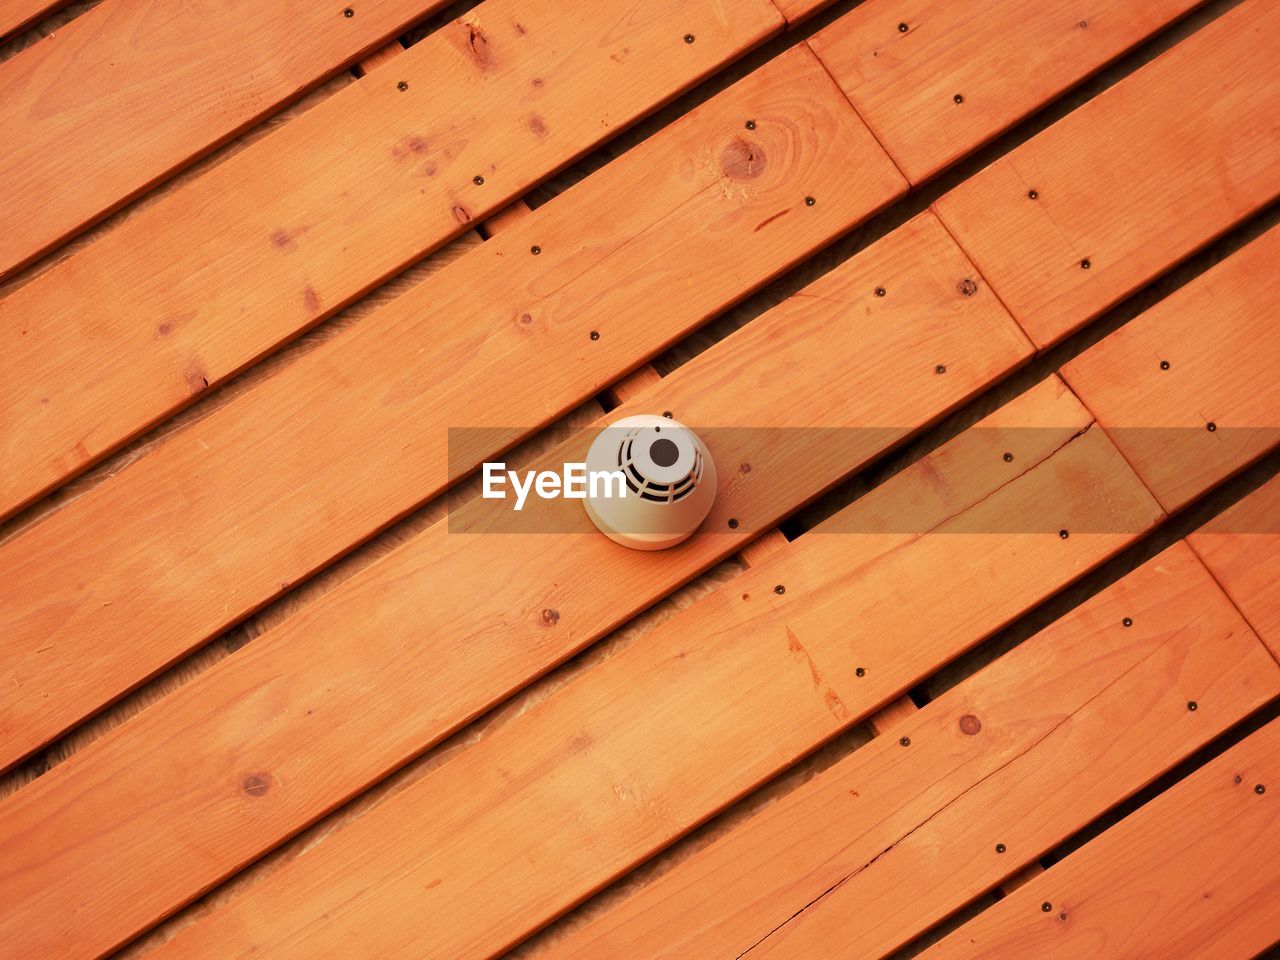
point(670, 482)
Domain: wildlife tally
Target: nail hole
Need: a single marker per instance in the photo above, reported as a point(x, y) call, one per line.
point(860, 672)
point(958, 98)
point(535, 249)
point(967, 287)
point(881, 291)
point(1033, 194)
point(903, 28)
point(751, 124)
point(809, 201)
point(667, 414)
point(348, 13)
point(1064, 533)
point(1164, 364)
point(1211, 427)
point(733, 523)
point(1046, 906)
point(1062, 915)
point(1001, 848)
point(595, 334)
point(478, 180)
point(1127, 621)
point(1192, 706)
point(904, 741)
point(402, 86)
point(779, 589)
point(1259, 789)
point(689, 38)
point(940, 369)
point(1086, 263)
point(1008, 458)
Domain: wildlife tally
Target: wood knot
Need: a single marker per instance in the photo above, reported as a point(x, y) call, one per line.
point(255, 784)
point(742, 160)
point(970, 725)
point(550, 617)
point(478, 46)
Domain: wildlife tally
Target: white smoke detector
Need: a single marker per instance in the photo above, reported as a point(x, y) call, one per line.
point(670, 482)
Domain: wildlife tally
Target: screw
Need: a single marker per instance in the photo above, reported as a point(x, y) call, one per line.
point(967, 287)
point(751, 124)
point(595, 334)
point(1001, 848)
point(1127, 621)
point(779, 589)
point(733, 523)
point(1046, 906)
point(689, 38)
point(903, 28)
point(1192, 706)
point(1211, 426)
point(348, 13)
point(904, 741)
point(1164, 364)
point(1033, 194)
point(1259, 789)
point(1064, 533)
point(667, 414)
point(881, 291)
point(402, 86)
point(809, 201)
point(1086, 263)
point(940, 369)
point(535, 249)
point(958, 98)
point(860, 672)
point(478, 180)
point(1008, 458)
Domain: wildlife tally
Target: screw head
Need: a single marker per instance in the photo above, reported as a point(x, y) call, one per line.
point(1046, 906)
point(904, 741)
point(348, 13)
point(968, 287)
point(860, 672)
point(1259, 789)
point(402, 86)
point(1192, 706)
point(595, 334)
point(1064, 533)
point(881, 291)
point(958, 98)
point(1008, 457)
point(1033, 194)
point(535, 249)
point(1211, 426)
point(779, 589)
point(903, 28)
point(751, 124)
point(733, 523)
point(1086, 263)
point(809, 201)
point(478, 180)
point(667, 414)
point(940, 369)
point(1001, 848)
point(1127, 621)
point(1164, 364)
point(689, 38)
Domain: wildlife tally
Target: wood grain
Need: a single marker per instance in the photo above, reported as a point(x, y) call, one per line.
point(888, 842)
point(616, 765)
point(905, 82)
point(1198, 132)
point(1188, 391)
point(1242, 548)
point(1193, 873)
point(285, 233)
point(455, 621)
point(134, 90)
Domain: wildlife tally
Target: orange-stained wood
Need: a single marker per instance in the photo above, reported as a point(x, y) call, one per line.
point(1193, 873)
point(891, 840)
point(1189, 391)
point(1137, 178)
point(17, 14)
point(132, 90)
point(1242, 548)
point(1002, 58)
point(288, 231)
point(454, 622)
point(113, 587)
point(625, 759)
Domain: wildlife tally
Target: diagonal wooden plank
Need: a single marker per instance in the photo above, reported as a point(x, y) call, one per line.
point(356, 433)
point(492, 626)
point(134, 90)
point(1067, 224)
point(1190, 402)
point(18, 14)
point(903, 65)
point(1193, 873)
point(618, 764)
point(298, 225)
point(880, 847)
point(1242, 549)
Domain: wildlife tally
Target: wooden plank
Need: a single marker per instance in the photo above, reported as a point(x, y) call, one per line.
point(1190, 402)
point(16, 15)
point(904, 82)
point(134, 90)
point(1193, 873)
point(618, 764)
point(487, 642)
point(292, 229)
point(357, 432)
point(1121, 186)
point(1242, 548)
point(879, 848)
